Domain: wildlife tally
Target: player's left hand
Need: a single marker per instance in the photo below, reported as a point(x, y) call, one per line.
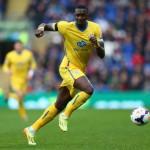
point(93, 40)
point(30, 74)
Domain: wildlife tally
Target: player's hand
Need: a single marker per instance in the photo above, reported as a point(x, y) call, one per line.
point(93, 40)
point(40, 31)
point(30, 74)
point(9, 73)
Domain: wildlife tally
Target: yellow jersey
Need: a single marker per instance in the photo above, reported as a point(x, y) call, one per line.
point(19, 64)
point(77, 46)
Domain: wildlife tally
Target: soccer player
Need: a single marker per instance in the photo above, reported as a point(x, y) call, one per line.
point(80, 38)
point(20, 66)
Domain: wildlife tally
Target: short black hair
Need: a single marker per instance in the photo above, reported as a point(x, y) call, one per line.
point(81, 7)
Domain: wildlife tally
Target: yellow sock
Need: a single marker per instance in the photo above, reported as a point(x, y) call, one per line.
point(78, 100)
point(46, 117)
point(22, 111)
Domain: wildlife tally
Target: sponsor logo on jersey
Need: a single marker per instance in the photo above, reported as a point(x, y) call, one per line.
point(81, 43)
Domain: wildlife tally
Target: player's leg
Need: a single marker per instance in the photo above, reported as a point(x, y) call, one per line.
point(6, 98)
point(17, 91)
point(61, 104)
point(21, 108)
point(48, 115)
point(86, 90)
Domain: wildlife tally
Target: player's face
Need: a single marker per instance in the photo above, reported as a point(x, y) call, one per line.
point(81, 16)
point(18, 47)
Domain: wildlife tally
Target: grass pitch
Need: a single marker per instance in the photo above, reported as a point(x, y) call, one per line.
point(88, 130)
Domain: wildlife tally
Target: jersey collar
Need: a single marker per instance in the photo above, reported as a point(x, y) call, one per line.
point(82, 29)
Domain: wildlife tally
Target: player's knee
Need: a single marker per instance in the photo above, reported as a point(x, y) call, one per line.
point(61, 105)
point(58, 106)
point(90, 90)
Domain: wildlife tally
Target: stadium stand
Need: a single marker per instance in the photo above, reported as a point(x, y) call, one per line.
point(126, 32)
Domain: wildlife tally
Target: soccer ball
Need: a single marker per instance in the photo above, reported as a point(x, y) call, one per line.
point(140, 116)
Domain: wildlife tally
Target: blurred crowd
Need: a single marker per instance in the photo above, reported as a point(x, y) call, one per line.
point(2, 8)
point(125, 25)
point(126, 32)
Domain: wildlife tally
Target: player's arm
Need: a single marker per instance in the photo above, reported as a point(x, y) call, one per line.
point(45, 27)
point(100, 48)
point(7, 64)
point(32, 67)
point(99, 45)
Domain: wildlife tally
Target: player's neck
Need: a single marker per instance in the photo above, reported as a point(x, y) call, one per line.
point(19, 52)
point(82, 27)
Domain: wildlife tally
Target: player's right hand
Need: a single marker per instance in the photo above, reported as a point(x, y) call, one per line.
point(39, 33)
point(40, 30)
point(9, 73)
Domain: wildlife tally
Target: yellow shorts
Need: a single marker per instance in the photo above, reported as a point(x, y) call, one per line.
point(69, 74)
point(18, 86)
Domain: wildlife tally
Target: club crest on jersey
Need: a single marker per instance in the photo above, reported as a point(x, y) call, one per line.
point(81, 43)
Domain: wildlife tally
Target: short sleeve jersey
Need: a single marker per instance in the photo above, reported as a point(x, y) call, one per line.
point(76, 42)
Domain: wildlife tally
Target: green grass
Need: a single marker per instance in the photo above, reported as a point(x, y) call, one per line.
point(88, 130)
